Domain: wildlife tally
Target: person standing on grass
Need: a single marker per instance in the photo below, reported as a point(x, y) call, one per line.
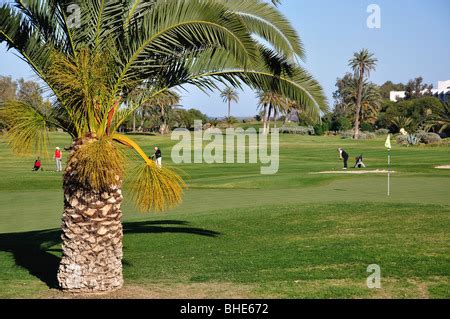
point(344, 156)
point(157, 157)
point(58, 159)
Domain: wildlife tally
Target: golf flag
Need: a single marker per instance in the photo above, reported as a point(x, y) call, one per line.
point(388, 142)
point(389, 147)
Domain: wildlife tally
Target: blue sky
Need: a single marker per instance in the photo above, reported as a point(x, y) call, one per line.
point(414, 40)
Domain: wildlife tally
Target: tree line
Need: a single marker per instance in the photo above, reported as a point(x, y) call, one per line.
point(361, 105)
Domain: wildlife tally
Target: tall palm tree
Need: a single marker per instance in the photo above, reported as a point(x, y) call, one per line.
point(91, 67)
point(362, 64)
point(229, 95)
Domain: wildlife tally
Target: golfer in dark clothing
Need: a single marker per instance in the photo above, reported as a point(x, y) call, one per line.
point(344, 156)
point(157, 157)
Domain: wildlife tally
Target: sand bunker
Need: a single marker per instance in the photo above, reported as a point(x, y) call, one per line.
point(355, 172)
point(443, 167)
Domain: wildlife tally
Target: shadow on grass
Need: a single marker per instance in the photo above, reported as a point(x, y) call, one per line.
point(36, 252)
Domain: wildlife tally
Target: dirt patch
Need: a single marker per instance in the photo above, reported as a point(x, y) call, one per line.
point(443, 167)
point(170, 291)
point(355, 172)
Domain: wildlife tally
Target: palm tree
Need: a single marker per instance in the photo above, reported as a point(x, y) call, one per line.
point(229, 95)
point(159, 105)
point(362, 64)
point(370, 99)
point(439, 118)
point(92, 66)
point(270, 102)
point(401, 122)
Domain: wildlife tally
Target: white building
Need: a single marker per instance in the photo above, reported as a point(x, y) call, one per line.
point(442, 90)
point(397, 95)
point(444, 86)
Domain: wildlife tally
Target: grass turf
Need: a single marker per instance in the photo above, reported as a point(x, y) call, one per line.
point(241, 234)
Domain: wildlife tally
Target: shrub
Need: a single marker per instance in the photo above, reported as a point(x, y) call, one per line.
point(367, 136)
point(346, 134)
point(402, 139)
point(408, 140)
point(428, 138)
point(362, 135)
point(420, 137)
point(382, 131)
point(367, 127)
point(299, 130)
point(342, 124)
point(321, 129)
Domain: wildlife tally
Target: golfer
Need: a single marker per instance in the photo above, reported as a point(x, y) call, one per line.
point(344, 156)
point(37, 165)
point(157, 157)
point(58, 159)
point(359, 162)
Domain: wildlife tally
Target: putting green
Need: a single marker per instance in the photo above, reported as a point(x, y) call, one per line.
point(357, 172)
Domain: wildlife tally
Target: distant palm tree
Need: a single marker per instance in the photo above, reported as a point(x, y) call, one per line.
point(370, 99)
point(270, 102)
point(439, 118)
point(162, 104)
point(229, 95)
point(401, 122)
point(362, 63)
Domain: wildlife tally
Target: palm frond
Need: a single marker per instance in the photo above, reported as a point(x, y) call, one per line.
point(27, 127)
point(270, 73)
point(152, 188)
point(439, 118)
point(266, 22)
point(83, 87)
point(98, 163)
point(156, 189)
point(173, 26)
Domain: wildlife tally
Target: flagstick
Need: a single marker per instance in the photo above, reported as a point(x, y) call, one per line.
point(389, 172)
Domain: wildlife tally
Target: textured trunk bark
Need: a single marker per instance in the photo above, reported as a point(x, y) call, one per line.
point(275, 117)
point(268, 119)
point(265, 120)
point(92, 236)
point(358, 104)
point(164, 129)
point(357, 123)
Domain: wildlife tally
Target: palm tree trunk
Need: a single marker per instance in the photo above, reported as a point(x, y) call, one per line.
point(134, 122)
point(164, 127)
point(265, 119)
point(275, 118)
point(268, 118)
point(141, 128)
point(229, 108)
point(91, 234)
point(358, 105)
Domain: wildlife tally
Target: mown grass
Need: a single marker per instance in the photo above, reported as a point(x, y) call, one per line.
point(238, 233)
